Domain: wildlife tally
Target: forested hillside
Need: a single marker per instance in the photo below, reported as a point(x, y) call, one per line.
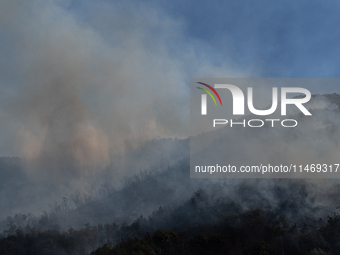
point(158, 209)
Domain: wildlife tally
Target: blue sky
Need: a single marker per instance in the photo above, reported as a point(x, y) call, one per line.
point(276, 38)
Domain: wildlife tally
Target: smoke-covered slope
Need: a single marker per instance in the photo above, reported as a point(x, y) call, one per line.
point(170, 199)
point(164, 182)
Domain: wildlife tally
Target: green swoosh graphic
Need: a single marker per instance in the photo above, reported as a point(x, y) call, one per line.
point(208, 93)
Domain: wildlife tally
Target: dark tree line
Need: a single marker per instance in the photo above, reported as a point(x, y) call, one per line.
point(250, 232)
point(200, 225)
